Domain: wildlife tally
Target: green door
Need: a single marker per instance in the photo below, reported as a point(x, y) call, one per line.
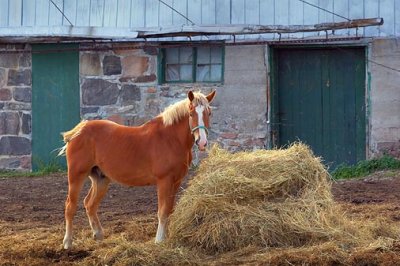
point(55, 99)
point(321, 101)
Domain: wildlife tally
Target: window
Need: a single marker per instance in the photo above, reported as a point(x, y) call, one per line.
point(192, 64)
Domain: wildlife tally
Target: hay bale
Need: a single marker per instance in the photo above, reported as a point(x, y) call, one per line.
point(267, 198)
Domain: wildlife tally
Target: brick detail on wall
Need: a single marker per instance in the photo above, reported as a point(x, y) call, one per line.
point(15, 109)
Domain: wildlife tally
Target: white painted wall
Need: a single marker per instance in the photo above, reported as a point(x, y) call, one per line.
point(384, 97)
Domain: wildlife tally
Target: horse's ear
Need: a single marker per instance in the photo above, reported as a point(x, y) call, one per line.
point(210, 97)
point(190, 95)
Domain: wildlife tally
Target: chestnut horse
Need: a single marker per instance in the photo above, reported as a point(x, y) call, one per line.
point(156, 153)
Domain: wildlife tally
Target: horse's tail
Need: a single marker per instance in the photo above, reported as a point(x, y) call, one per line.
point(69, 135)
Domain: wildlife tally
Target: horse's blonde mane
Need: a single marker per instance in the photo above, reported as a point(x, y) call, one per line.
point(177, 111)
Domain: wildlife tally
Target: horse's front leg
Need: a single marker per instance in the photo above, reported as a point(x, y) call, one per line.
point(167, 188)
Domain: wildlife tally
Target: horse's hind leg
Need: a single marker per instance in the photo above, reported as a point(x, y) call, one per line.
point(75, 183)
point(92, 201)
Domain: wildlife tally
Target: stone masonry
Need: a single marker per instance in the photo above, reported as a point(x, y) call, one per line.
point(15, 108)
point(121, 85)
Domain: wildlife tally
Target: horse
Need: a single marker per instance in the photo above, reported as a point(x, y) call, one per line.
point(155, 153)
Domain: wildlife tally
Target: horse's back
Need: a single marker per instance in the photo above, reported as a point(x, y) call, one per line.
point(121, 152)
point(129, 155)
point(85, 138)
point(100, 125)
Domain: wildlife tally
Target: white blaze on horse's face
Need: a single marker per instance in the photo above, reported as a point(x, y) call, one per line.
point(202, 136)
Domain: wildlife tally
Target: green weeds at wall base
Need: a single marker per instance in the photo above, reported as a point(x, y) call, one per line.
point(367, 167)
point(44, 169)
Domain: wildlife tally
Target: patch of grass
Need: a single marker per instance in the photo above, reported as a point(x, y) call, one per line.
point(366, 167)
point(44, 169)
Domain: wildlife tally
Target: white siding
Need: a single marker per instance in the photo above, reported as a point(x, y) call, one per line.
point(252, 15)
point(4, 13)
point(296, 16)
point(70, 12)
point(397, 18)
point(83, 13)
point(110, 13)
point(310, 14)
point(138, 13)
point(282, 14)
point(15, 13)
point(28, 9)
point(222, 12)
point(372, 10)
point(356, 10)
point(152, 13)
point(194, 6)
point(55, 16)
point(387, 12)
point(324, 16)
point(341, 7)
point(124, 13)
point(237, 13)
point(182, 7)
point(96, 12)
point(267, 15)
point(42, 12)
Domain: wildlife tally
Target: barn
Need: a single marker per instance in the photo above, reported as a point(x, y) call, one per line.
point(326, 72)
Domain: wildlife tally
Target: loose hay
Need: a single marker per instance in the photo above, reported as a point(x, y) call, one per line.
point(276, 198)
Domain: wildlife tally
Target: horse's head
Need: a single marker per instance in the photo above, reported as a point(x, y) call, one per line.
point(199, 120)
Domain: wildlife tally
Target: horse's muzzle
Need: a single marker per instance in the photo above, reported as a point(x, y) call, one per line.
point(201, 144)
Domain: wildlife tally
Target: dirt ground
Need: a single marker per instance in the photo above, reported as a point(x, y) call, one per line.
point(27, 203)
point(40, 201)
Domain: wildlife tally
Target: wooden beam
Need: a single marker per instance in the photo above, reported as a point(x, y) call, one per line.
point(68, 33)
point(201, 30)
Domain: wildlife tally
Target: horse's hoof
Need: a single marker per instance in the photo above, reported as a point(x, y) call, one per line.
point(98, 236)
point(67, 243)
point(158, 241)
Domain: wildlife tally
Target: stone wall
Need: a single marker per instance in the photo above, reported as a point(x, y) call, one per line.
point(15, 108)
point(384, 101)
point(240, 120)
point(121, 85)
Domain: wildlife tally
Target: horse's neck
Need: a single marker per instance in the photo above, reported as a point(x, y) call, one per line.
point(181, 131)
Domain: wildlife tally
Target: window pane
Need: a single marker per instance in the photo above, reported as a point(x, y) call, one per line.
point(186, 72)
point(179, 64)
point(216, 55)
point(203, 55)
point(186, 55)
point(172, 73)
point(203, 73)
point(216, 73)
point(172, 55)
